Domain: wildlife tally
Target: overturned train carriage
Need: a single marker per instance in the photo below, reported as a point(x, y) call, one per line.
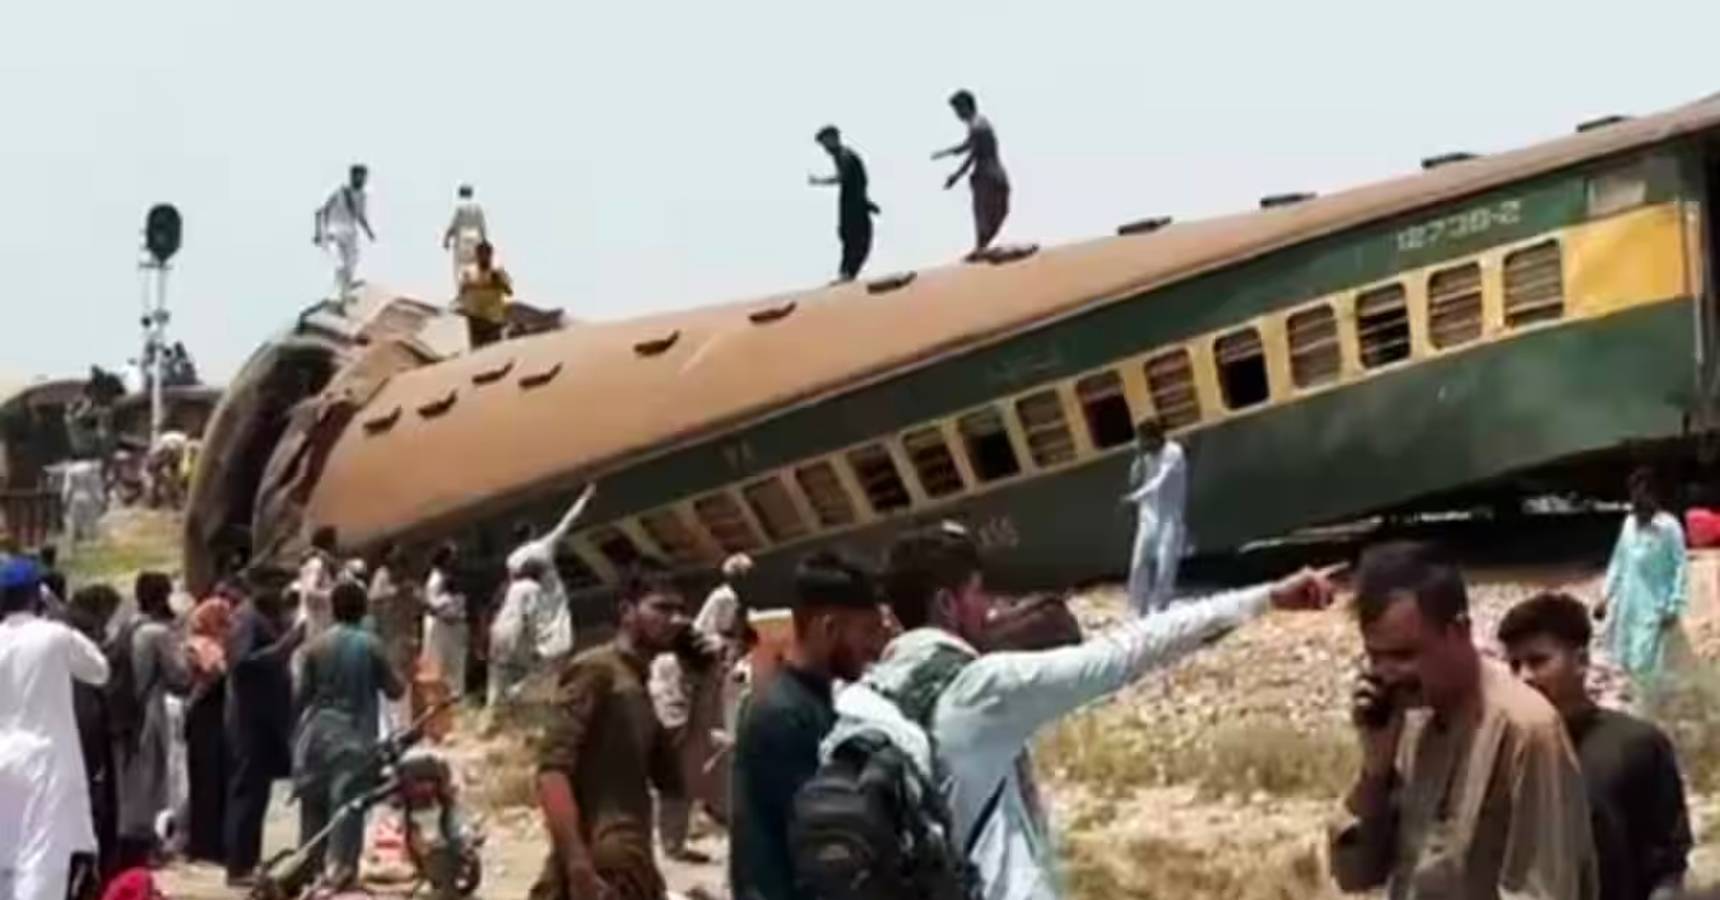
point(1519, 321)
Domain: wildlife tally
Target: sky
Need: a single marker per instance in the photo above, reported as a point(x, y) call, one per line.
point(636, 157)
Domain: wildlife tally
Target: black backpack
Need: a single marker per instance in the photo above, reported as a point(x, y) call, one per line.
point(870, 825)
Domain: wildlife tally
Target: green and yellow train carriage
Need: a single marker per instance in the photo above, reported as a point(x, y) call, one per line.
point(1532, 317)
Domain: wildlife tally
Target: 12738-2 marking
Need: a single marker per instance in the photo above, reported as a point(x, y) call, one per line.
point(1458, 226)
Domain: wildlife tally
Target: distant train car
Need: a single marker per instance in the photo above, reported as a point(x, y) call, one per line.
point(1487, 326)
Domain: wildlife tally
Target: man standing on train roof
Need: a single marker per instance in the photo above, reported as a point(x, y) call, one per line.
point(484, 292)
point(466, 230)
point(989, 182)
point(1159, 491)
point(338, 221)
point(854, 209)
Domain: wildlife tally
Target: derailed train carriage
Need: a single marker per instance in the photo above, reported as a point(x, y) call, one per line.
point(1488, 327)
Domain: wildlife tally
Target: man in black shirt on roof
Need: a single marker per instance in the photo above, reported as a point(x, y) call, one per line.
point(854, 208)
point(839, 629)
point(1636, 797)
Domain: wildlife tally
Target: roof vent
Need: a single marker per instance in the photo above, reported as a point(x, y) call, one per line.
point(437, 407)
point(1601, 122)
point(1274, 201)
point(382, 423)
point(1144, 226)
point(539, 379)
point(1446, 159)
point(771, 313)
point(491, 376)
point(657, 346)
point(998, 256)
point(890, 282)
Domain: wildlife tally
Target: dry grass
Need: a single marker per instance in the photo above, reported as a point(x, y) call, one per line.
point(1152, 868)
point(1106, 750)
point(130, 541)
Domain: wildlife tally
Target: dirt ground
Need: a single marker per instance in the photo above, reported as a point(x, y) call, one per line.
point(1214, 778)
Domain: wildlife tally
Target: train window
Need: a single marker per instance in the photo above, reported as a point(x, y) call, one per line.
point(1314, 355)
point(1048, 439)
point(722, 517)
point(1382, 323)
point(616, 547)
point(1454, 305)
point(1110, 422)
point(988, 446)
point(576, 574)
point(1170, 379)
point(824, 491)
point(666, 529)
point(932, 459)
point(1618, 190)
point(775, 509)
point(1242, 368)
point(1534, 285)
point(878, 477)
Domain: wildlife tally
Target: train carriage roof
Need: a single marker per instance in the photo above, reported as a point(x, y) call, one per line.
point(612, 392)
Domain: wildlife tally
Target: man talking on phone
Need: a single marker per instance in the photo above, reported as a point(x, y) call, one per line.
point(1468, 785)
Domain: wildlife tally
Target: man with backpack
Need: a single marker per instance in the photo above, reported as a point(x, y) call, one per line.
point(837, 621)
point(934, 739)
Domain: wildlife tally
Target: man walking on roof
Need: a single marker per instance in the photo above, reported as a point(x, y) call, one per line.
point(854, 209)
point(989, 182)
point(338, 221)
point(465, 232)
point(1159, 482)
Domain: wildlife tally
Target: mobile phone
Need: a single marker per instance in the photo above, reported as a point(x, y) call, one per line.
point(1378, 713)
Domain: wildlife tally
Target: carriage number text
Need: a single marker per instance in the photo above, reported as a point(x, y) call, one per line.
point(1461, 225)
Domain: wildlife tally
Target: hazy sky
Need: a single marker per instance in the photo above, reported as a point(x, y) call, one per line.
point(642, 156)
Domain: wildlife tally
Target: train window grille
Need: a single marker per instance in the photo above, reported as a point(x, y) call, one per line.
point(989, 449)
point(1315, 358)
point(728, 526)
point(1534, 285)
point(878, 478)
point(1382, 324)
point(615, 546)
point(1110, 422)
point(775, 509)
point(1049, 441)
point(1170, 381)
point(1242, 368)
point(1618, 190)
point(666, 529)
point(576, 574)
point(933, 461)
point(1454, 305)
point(824, 491)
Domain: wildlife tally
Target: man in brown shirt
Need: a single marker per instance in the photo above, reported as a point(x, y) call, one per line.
point(1469, 788)
point(604, 747)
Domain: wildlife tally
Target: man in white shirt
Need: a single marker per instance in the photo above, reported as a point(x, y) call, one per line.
point(466, 230)
point(552, 618)
point(44, 795)
point(1159, 478)
point(338, 222)
point(983, 721)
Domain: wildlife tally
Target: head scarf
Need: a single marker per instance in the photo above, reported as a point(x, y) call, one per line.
point(207, 645)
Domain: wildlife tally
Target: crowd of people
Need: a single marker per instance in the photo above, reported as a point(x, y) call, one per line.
point(884, 752)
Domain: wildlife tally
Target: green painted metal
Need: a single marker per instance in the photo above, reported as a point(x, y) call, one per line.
point(1111, 332)
point(1464, 418)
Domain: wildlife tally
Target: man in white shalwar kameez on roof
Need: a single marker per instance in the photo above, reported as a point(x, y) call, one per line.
point(338, 222)
point(1159, 478)
point(465, 232)
point(44, 794)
